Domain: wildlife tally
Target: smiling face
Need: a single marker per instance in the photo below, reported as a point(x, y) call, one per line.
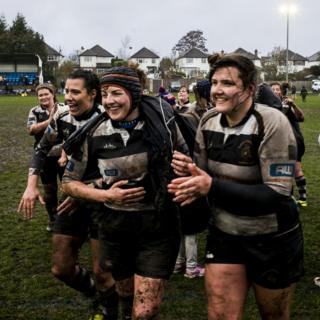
point(77, 97)
point(228, 92)
point(276, 90)
point(117, 103)
point(183, 95)
point(45, 98)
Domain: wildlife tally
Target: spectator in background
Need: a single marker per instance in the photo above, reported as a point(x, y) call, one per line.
point(183, 100)
point(285, 88)
point(62, 85)
point(202, 104)
point(295, 115)
point(167, 96)
point(293, 92)
point(304, 93)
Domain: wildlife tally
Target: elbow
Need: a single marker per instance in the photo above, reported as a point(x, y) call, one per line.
point(31, 132)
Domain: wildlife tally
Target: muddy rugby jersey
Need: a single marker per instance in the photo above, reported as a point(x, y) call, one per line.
point(252, 165)
point(60, 128)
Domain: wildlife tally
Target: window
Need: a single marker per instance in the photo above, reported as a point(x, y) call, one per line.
point(140, 60)
point(87, 59)
point(153, 60)
point(203, 60)
point(189, 60)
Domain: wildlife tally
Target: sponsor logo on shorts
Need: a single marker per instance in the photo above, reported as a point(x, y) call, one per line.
point(282, 170)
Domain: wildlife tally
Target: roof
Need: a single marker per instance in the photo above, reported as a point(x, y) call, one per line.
point(27, 58)
point(194, 53)
point(315, 57)
point(97, 51)
point(52, 52)
point(246, 54)
point(144, 53)
point(293, 56)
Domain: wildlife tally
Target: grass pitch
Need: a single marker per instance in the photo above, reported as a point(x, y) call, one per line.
point(29, 292)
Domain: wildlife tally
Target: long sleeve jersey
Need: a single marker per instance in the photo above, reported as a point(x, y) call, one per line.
point(61, 127)
point(252, 165)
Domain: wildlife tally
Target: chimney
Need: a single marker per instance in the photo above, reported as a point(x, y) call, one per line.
point(256, 53)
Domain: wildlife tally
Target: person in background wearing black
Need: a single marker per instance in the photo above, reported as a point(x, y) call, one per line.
point(295, 115)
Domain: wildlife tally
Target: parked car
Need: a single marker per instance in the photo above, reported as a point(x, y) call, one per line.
point(175, 86)
point(315, 86)
point(191, 85)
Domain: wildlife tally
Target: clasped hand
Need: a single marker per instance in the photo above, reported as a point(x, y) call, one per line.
point(186, 189)
point(124, 197)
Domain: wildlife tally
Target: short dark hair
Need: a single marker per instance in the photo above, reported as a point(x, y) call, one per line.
point(91, 82)
point(187, 89)
point(247, 70)
point(275, 83)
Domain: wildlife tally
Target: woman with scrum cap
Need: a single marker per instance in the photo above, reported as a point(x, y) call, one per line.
point(132, 149)
point(245, 155)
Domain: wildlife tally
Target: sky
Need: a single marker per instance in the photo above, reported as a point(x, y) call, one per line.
point(158, 25)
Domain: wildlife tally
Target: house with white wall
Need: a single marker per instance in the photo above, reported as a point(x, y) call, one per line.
point(296, 62)
point(96, 59)
point(193, 63)
point(148, 61)
point(53, 56)
point(314, 60)
point(252, 56)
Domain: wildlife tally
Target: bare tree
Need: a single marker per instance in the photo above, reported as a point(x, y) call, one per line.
point(125, 46)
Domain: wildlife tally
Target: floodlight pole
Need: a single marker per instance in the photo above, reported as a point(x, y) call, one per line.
point(40, 69)
point(287, 51)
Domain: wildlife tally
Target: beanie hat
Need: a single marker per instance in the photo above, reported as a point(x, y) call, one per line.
point(162, 90)
point(126, 78)
point(203, 88)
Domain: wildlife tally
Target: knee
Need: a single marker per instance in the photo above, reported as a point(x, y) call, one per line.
point(145, 312)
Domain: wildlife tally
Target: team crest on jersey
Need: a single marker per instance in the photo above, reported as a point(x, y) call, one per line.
point(246, 152)
point(282, 170)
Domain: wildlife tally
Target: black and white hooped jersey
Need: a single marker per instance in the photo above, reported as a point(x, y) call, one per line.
point(39, 114)
point(252, 165)
point(118, 155)
point(60, 128)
